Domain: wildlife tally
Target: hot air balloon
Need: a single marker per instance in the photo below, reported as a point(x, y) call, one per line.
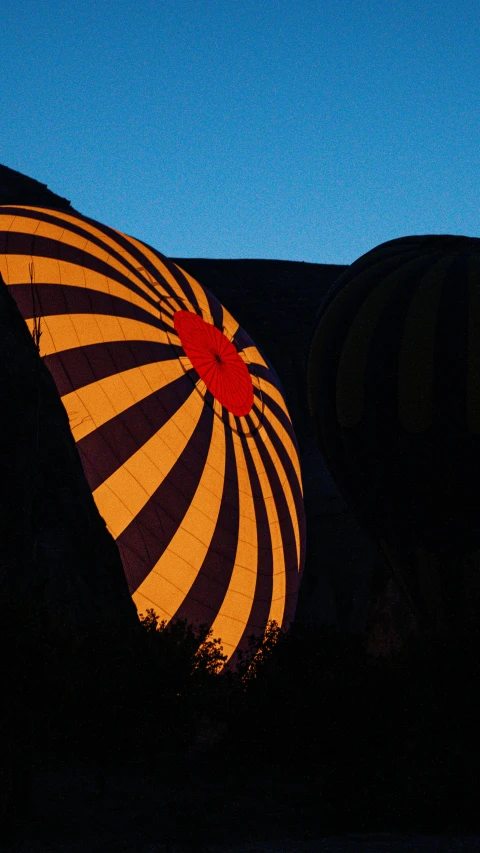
point(181, 425)
point(394, 390)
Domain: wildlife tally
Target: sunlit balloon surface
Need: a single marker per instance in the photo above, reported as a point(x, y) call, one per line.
point(181, 425)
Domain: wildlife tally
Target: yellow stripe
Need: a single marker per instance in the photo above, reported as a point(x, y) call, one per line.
point(121, 497)
point(277, 605)
point(286, 489)
point(230, 325)
point(234, 613)
point(174, 574)
point(251, 355)
point(7, 221)
point(65, 331)
point(16, 270)
point(143, 604)
point(95, 404)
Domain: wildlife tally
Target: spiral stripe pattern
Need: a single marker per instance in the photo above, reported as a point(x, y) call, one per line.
point(181, 426)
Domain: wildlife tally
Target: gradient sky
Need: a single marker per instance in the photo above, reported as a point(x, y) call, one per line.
point(292, 129)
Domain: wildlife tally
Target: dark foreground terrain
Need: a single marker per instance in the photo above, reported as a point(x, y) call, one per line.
point(311, 742)
point(74, 811)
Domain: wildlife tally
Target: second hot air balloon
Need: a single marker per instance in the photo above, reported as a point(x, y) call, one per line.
point(394, 389)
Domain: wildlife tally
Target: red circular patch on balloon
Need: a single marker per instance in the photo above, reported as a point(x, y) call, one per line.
point(216, 361)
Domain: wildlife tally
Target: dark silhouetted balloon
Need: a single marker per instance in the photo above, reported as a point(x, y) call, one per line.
point(180, 423)
point(394, 390)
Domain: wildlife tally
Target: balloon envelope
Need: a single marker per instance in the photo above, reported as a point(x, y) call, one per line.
point(182, 427)
point(394, 389)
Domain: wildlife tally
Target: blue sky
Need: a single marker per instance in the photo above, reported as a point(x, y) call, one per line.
point(292, 129)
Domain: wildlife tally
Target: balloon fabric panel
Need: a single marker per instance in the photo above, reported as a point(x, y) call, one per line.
point(181, 425)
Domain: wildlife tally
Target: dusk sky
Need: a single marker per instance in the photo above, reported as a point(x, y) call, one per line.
point(291, 129)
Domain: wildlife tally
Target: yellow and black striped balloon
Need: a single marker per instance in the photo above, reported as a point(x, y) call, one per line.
point(180, 423)
point(394, 389)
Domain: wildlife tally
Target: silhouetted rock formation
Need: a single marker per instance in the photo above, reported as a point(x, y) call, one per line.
point(16, 188)
point(55, 550)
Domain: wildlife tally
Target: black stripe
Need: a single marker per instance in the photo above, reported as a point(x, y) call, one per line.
point(111, 445)
point(264, 583)
point(270, 403)
point(293, 482)
point(257, 410)
point(269, 374)
point(263, 373)
point(284, 519)
point(146, 538)
point(79, 366)
point(215, 308)
point(207, 593)
point(242, 340)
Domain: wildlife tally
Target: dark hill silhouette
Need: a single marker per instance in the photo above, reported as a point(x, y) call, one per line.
point(49, 521)
point(276, 302)
point(16, 188)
